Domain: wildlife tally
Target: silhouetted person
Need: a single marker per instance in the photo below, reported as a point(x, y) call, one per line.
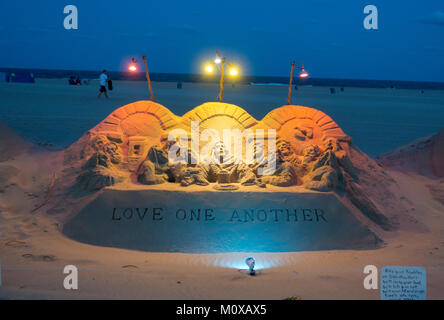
point(103, 84)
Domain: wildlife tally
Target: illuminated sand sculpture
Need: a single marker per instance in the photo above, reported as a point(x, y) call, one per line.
point(324, 193)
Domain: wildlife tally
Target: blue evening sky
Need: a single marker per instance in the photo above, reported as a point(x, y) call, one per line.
point(262, 36)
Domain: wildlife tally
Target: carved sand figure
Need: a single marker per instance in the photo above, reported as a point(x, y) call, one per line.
point(140, 128)
point(311, 152)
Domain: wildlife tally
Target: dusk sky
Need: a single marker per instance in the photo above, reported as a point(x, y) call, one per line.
point(262, 36)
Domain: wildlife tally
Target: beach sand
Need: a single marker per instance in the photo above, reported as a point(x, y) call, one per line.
point(33, 251)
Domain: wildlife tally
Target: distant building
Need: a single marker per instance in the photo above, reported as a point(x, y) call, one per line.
point(20, 77)
point(3, 76)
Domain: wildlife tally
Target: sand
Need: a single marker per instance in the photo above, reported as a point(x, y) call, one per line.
point(34, 253)
point(424, 156)
point(34, 249)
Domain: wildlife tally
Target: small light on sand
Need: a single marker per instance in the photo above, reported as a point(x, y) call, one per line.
point(250, 263)
point(209, 68)
point(233, 72)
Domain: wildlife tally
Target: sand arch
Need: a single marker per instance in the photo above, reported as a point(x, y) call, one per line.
point(216, 115)
point(141, 118)
point(328, 128)
point(146, 118)
point(305, 128)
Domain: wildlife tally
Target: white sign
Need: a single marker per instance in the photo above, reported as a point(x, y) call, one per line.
point(403, 283)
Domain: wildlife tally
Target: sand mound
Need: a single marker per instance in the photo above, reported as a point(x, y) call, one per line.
point(11, 144)
point(424, 156)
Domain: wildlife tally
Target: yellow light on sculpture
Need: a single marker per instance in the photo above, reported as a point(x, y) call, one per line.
point(218, 60)
point(209, 68)
point(233, 72)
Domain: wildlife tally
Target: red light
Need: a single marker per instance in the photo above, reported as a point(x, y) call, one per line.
point(303, 74)
point(132, 68)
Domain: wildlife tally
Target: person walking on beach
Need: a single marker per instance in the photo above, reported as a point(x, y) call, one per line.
point(103, 83)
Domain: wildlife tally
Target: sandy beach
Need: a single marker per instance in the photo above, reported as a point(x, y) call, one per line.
point(46, 117)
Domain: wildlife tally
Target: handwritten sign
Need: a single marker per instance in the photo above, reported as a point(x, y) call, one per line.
point(403, 283)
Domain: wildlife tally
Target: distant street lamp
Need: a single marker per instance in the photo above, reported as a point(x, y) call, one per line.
point(219, 63)
point(303, 74)
point(133, 68)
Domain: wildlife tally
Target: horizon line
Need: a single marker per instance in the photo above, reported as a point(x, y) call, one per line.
point(138, 73)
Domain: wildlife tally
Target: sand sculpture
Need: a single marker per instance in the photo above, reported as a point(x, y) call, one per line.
point(312, 151)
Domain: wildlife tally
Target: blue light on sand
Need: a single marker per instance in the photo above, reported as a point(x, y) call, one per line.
point(240, 265)
point(238, 262)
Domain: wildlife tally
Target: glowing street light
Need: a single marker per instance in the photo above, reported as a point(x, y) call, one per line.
point(209, 68)
point(233, 72)
point(220, 62)
point(133, 68)
point(303, 75)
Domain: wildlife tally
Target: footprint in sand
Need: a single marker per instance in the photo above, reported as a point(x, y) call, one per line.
point(45, 258)
point(293, 298)
point(16, 244)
